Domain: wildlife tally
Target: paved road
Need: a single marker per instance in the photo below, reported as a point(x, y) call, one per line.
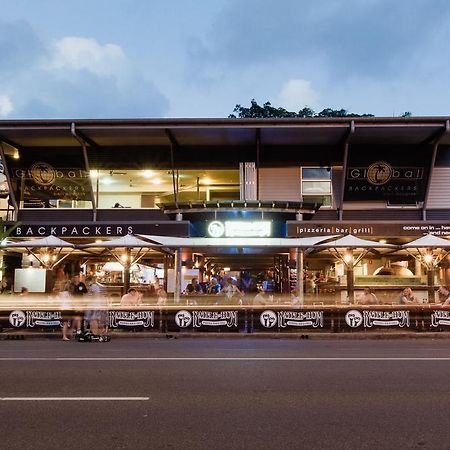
point(206, 393)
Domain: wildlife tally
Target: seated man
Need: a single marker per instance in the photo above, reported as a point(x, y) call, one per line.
point(263, 298)
point(368, 298)
point(193, 288)
point(444, 295)
point(131, 298)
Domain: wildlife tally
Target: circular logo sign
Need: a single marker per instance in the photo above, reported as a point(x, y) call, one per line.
point(268, 318)
point(43, 173)
point(183, 318)
point(353, 318)
point(17, 318)
point(379, 173)
point(216, 229)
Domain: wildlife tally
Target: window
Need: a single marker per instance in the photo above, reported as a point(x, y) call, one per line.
point(133, 188)
point(316, 185)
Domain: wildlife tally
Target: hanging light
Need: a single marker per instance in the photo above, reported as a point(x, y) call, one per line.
point(348, 257)
point(428, 258)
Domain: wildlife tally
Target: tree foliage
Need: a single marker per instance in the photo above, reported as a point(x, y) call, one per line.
point(267, 111)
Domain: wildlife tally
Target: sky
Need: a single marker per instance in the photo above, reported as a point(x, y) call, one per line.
point(199, 58)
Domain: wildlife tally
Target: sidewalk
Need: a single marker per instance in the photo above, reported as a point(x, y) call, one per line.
point(256, 335)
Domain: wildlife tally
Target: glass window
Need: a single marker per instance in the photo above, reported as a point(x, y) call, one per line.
point(324, 200)
point(316, 173)
point(147, 188)
point(315, 187)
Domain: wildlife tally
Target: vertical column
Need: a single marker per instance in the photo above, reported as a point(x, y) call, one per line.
point(177, 271)
point(299, 266)
point(349, 263)
point(430, 283)
point(248, 180)
point(126, 270)
point(417, 268)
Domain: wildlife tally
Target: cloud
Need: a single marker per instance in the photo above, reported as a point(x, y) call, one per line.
point(20, 47)
point(371, 37)
point(6, 106)
point(79, 53)
point(295, 94)
point(71, 77)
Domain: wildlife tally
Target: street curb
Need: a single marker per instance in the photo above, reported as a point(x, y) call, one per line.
point(264, 335)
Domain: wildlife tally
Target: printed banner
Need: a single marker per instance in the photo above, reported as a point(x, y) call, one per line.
point(370, 318)
point(387, 174)
point(127, 319)
point(291, 319)
point(204, 318)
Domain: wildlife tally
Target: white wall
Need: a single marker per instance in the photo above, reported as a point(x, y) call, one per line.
point(128, 200)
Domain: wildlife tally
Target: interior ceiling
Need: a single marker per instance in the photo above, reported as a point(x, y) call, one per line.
point(162, 181)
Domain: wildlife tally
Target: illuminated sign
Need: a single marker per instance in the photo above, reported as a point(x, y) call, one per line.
point(219, 229)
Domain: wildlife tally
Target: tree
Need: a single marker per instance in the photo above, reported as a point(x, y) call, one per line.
point(267, 111)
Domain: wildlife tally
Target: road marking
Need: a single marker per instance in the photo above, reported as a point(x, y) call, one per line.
point(71, 399)
point(226, 359)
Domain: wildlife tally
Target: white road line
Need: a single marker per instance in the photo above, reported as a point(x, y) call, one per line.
point(227, 359)
point(71, 399)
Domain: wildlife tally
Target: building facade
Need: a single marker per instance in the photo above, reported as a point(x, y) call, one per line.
point(386, 179)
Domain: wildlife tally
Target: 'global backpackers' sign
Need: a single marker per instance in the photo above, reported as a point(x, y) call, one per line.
point(98, 229)
point(389, 177)
point(45, 182)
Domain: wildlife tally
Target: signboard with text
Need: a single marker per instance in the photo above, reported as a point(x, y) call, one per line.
point(393, 174)
point(307, 228)
point(60, 175)
point(99, 229)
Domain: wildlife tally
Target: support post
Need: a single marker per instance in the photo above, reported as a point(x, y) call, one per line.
point(126, 270)
point(350, 284)
point(299, 267)
point(11, 194)
point(430, 283)
point(177, 272)
point(350, 265)
point(344, 169)
point(83, 142)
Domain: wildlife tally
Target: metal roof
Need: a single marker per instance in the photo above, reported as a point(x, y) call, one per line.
point(223, 132)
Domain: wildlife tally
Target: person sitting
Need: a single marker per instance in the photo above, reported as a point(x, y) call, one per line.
point(131, 298)
point(444, 295)
point(24, 292)
point(262, 298)
point(193, 288)
point(214, 287)
point(296, 300)
point(368, 297)
point(161, 296)
point(408, 298)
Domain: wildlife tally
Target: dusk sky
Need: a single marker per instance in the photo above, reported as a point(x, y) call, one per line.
point(181, 58)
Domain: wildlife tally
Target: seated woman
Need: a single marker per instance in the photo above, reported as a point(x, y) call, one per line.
point(296, 300)
point(408, 298)
point(368, 297)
